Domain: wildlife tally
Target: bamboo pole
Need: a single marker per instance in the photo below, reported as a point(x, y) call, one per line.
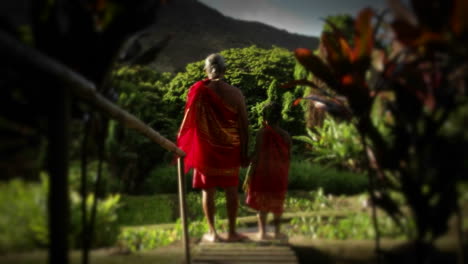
point(18, 53)
point(183, 209)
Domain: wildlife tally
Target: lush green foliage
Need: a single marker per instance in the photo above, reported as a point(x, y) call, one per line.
point(163, 179)
point(355, 223)
point(158, 99)
point(257, 72)
point(132, 156)
point(304, 175)
point(146, 210)
point(307, 201)
point(151, 237)
point(164, 208)
point(334, 145)
point(23, 219)
point(106, 227)
point(312, 214)
point(136, 239)
point(23, 222)
point(355, 226)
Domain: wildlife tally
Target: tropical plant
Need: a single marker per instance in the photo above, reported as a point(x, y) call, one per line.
point(354, 226)
point(343, 22)
point(335, 145)
point(422, 81)
point(314, 115)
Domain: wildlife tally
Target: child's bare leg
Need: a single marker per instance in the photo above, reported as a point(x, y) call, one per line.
point(262, 224)
point(277, 223)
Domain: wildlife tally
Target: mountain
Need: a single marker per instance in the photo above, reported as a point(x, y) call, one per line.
point(198, 30)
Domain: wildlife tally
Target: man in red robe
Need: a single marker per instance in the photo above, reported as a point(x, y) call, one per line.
point(214, 135)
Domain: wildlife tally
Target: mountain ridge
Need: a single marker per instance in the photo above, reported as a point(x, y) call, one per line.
point(197, 30)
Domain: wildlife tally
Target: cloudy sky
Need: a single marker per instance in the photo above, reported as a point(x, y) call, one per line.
point(298, 16)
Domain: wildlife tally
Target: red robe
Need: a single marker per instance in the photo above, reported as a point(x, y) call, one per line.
point(268, 181)
point(210, 137)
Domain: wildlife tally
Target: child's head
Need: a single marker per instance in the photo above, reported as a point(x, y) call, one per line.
point(272, 112)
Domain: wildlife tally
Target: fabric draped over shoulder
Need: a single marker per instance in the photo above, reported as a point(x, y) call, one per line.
point(269, 179)
point(210, 133)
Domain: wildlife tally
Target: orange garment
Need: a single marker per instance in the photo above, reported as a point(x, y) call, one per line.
point(210, 138)
point(268, 181)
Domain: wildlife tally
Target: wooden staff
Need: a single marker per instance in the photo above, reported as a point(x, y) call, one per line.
point(183, 208)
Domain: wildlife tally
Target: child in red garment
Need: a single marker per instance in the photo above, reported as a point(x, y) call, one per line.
point(267, 178)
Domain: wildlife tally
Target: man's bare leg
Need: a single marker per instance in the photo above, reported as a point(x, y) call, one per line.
point(262, 216)
point(209, 210)
point(232, 204)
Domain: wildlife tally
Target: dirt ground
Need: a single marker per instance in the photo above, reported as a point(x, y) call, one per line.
point(316, 251)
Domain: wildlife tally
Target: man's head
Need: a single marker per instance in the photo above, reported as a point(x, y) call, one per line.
point(215, 66)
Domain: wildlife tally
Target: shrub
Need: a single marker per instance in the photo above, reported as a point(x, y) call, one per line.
point(23, 219)
point(304, 175)
point(354, 226)
point(24, 207)
point(139, 239)
point(150, 237)
point(163, 179)
point(106, 227)
point(335, 145)
point(145, 210)
point(312, 201)
point(131, 155)
point(257, 72)
point(107, 185)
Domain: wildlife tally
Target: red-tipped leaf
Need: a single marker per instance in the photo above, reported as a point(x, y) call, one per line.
point(363, 41)
point(315, 65)
point(305, 82)
point(297, 101)
point(459, 20)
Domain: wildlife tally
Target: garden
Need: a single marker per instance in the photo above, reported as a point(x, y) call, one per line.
point(384, 163)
